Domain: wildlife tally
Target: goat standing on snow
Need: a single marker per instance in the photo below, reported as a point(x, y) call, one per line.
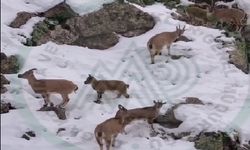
point(107, 85)
point(48, 86)
point(109, 129)
point(161, 40)
point(149, 113)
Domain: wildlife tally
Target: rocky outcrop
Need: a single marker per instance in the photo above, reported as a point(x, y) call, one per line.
point(60, 13)
point(3, 82)
point(169, 120)
point(9, 64)
point(167, 3)
point(97, 30)
point(217, 141)
point(21, 19)
point(6, 107)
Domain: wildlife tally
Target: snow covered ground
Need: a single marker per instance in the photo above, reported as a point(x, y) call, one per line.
point(203, 73)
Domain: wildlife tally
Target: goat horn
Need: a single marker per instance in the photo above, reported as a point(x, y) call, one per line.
point(32, 69)
point(121, 107)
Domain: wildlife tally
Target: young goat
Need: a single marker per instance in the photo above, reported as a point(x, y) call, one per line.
point(149, 113)
point(108, 130)
point(48, 86)
point(159, 41)
point(107, 85)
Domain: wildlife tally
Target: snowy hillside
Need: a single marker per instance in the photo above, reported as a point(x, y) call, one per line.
point(203, 72)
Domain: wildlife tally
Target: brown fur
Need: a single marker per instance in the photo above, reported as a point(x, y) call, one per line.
point(100, 86)
point(157, 42)
point(149, 113)
point(48, 86)
point(108, 130)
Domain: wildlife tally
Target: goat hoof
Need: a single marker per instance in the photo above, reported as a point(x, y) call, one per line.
point(98, 101)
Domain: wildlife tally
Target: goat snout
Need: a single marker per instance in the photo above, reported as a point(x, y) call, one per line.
point(85, 82)
point(19, 76)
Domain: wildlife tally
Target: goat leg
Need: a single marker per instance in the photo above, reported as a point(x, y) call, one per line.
point(99, 96)
point(113, 141)
point(65, 100)
point(46, 99)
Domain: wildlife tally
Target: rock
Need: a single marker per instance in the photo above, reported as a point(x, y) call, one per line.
point(214, 141)
point(60, 130)
point(168, 120)
point(5, 107)
point(60, 112)
point(4, 80)
point(28, 135)
point(246, 33)
point(239, 59)
point(31, 133)
point(21, 19)
point(10, 65)
point(142, 2)
point(102, 41)
point(96, 30)
point(209, 1)
point(25, 136)
point(193, 100)
point(3, 56)
point(3, 89)
point(61, 12)
point(167, 3)
point(183, 38)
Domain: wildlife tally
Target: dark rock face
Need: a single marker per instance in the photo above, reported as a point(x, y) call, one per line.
point(10, 65)
point(98, 29)
point(6, 107)
point(209, 1)
point(169, 120)
point(215, 141)
point(60, 12)
point(21, 19)
point(28, 135)
point(4, 81)
point(167, 3)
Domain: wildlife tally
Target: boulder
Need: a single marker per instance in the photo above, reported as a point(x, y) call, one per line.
point(6, 107)
point(10, 65)
point(61, 12)
point(96, 30)
point(169, 120)
point(4, 80)
point(214, 141)
point(21, 19)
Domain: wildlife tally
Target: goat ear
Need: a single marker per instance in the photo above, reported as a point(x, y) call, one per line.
point(154, 102)
point(32, 69)
point(164, 103)
point(90, 75)
point(121, 107)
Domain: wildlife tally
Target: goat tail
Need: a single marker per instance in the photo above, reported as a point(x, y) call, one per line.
point(150, 44)
point(98, 137)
